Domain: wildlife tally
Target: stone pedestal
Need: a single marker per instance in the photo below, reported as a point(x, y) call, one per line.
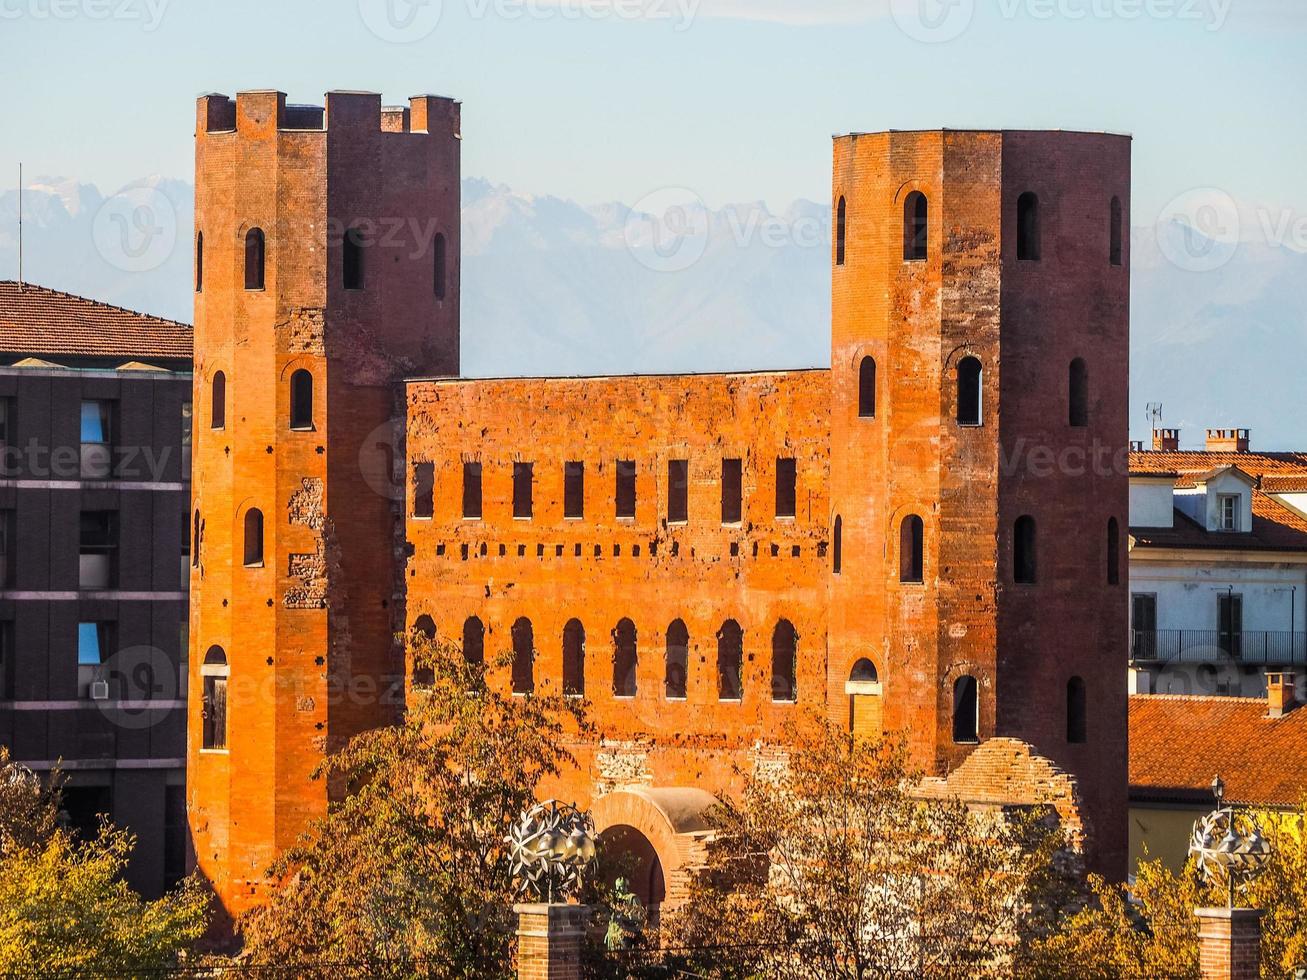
point(549, 941)
point(1229, 944)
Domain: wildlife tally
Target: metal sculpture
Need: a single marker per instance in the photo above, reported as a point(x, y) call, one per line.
point(1228, 846)
point(549, 847)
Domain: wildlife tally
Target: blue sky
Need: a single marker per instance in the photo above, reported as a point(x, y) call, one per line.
point(735, 99)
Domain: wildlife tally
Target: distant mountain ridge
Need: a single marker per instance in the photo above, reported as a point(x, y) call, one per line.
point(551, 286)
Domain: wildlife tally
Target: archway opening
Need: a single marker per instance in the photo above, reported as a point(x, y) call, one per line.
point(628, 853)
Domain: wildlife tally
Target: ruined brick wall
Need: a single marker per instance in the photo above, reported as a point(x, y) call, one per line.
point(308, 631)
point(1024, 321)
point(601, 569)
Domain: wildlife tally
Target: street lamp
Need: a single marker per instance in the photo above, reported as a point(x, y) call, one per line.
point(1228, 845)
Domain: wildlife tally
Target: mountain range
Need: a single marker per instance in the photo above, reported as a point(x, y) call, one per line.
point(551, 286)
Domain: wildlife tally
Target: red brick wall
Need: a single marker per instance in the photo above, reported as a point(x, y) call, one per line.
point(308, 635)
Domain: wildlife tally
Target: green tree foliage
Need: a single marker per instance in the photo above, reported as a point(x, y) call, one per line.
point(64, 907)
point(408, 875)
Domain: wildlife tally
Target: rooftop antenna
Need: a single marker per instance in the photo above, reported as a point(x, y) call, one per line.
point(1155, 415)
point(20, 226)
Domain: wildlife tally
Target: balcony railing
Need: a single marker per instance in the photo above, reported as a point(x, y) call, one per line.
point(1269, 647)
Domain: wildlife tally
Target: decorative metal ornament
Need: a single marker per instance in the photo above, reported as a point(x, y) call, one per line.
point(549, 847)
point(1229, 848)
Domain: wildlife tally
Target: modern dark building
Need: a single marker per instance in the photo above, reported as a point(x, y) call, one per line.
point(94, 491)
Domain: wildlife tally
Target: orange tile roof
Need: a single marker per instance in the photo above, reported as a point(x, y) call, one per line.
point(1285, 484)
point(36, 320)
point(1179, 742)
point(1200, 461)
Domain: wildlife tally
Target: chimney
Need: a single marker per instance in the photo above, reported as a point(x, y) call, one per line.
point(1166, 440)
point(1227, 440)
point(1280, 698)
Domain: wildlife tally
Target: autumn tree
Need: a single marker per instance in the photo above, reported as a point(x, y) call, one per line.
point(1147, 929)
point(64, 906)
point(408, 875)
point(829, 867)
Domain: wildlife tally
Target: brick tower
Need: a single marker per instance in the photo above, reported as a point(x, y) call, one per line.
point(979, 367)
point(326, 270)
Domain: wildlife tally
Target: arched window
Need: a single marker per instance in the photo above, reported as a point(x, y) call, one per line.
point(784, 642)
point(625, 660)
point(863, 690)
point(1113, 552)
point(1023, 550)
point(574, 658)
point(966, 710)
point(254, 258)
point(1028, 227)
point(1114, 232)
point(523, 657)
point(438, 265)
point(841, 224)
point(864, 671)
point(678, 660)
point(730, 662)
point(301, 400)
point(1078, 391)
point(213, 707)
point(912, 549)
point(474, 641)
point(218, 401)
point(1076, 723)
point(253, 537)
point(837, 546)
point(970, 391)
point(867, 388)
point(352, 259)
point(199, 261)
point(914, 227)
point(424, 674)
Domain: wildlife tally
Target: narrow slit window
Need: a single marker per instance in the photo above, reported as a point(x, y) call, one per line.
point(837, 546)
point(678, 491)
point(1115, 232)
point(1028, 245)
point(1076, 721)
point(730, 662)
point(253, 537)
point(867, 388)
point(199, 261)
point(574, 490)
point(301, 400)
point(1078, 393)
point(785, 487)
point(625, 503)
point(522, 486)
point(914, 227)
point(841, 227)
point(438, 261)
point(352, 259)
point(218, 402)
point(625, 660)
point(1023, 550)
point(472, 491)
point(574, 658)
point(254, 258)
point(676, 669)
point(784, 646)
point(1113, 552)
point(970, 377)
point(523, 657)
point(424, 489)
point(732, 491)
point(912, 550)
point(966, 710)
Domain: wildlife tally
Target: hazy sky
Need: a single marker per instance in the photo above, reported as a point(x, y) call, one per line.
point(734, 99)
